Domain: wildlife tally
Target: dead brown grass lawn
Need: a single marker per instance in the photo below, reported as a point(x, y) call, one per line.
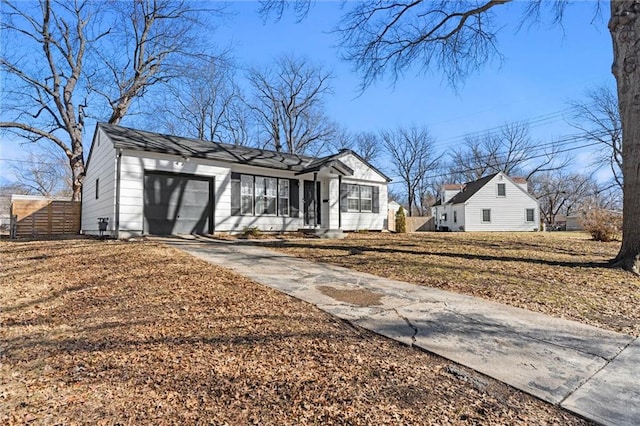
point(560, 274)
point(110, 332)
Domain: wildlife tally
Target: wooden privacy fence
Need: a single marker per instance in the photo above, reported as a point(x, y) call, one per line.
point(414, 223)
point(44, 218)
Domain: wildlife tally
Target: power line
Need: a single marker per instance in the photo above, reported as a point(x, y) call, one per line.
point(567, 141)
point(532, 122)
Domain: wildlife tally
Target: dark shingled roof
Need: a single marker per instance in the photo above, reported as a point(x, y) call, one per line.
point(470, 189)
point(140, 140)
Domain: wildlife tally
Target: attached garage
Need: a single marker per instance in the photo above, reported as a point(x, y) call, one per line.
point(178, 204)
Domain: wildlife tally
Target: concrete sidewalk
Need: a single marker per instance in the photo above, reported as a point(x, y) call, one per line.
point(592, 372)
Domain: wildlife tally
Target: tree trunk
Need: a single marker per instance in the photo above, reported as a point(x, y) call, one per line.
point(624, 26)
point(76, 162)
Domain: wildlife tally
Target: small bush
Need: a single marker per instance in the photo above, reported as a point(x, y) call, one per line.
point(251, 231)
point(401, 221)
point(602, 225)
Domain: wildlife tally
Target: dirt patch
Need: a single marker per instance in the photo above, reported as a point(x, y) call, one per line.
point(358, 297)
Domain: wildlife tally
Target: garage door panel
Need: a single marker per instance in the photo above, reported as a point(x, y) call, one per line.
point(177, 204)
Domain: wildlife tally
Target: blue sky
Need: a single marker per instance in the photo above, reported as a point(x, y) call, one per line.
point(545, 67)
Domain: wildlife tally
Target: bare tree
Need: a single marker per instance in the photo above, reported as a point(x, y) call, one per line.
point(561, 193)
point(43, 174)
point(75, 55)
point(510, 149)
point(289, 104)
point(412, 157)
point(205, 103)
point(366, 144)
point(598, 117)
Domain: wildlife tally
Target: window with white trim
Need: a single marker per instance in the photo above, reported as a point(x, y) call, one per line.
point(266, 194)
point(360, 198)
point(502, 190)
point(283, 197)
point(531, 215)
point(97, 188)
point(246, 195)
point(486, 215)
point(262, 195)
point(353, 198)
point(455, 216)
point(366, 199)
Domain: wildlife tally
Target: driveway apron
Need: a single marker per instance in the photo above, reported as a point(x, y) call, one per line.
point(586, 370)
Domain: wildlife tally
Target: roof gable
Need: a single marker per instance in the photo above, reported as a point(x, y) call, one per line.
point(471, 188)
point(347, 152)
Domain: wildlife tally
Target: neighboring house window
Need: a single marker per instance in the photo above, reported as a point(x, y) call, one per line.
point(443, 217)
point(97, 188)
point(531, 215)
point(455, 216)
point(353, 198)
point(246, 191)
point(486, 215)
point(502, 190)
point(283, 197)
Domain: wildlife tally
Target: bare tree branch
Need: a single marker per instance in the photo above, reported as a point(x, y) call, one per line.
point(289, 104)
point(412, 158)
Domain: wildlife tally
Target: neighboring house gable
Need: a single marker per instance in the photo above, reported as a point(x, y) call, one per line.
point(150, 183)
point(492, 203)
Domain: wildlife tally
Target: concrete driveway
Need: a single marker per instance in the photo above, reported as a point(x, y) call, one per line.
point(589, 371)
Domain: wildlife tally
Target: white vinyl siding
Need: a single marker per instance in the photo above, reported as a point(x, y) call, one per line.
point(507, 213)
point(362, 175)
point(101, 170)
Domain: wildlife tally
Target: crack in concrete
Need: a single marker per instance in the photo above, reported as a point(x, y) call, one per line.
point(413, 327)
point(606, 364)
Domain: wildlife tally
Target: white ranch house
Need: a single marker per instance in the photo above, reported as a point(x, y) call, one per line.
point(492, 203)
point(151, 183)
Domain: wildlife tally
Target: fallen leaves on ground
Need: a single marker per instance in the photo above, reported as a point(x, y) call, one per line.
point(106, 332)
point(561, 274)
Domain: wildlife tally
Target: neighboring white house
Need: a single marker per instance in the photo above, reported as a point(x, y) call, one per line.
point(150, 183)
point(492, 203)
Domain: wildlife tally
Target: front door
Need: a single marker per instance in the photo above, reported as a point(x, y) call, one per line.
point(311, 203)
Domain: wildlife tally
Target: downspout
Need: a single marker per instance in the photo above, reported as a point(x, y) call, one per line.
point(315, 199)
point(339, 202)
point(117, 218)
